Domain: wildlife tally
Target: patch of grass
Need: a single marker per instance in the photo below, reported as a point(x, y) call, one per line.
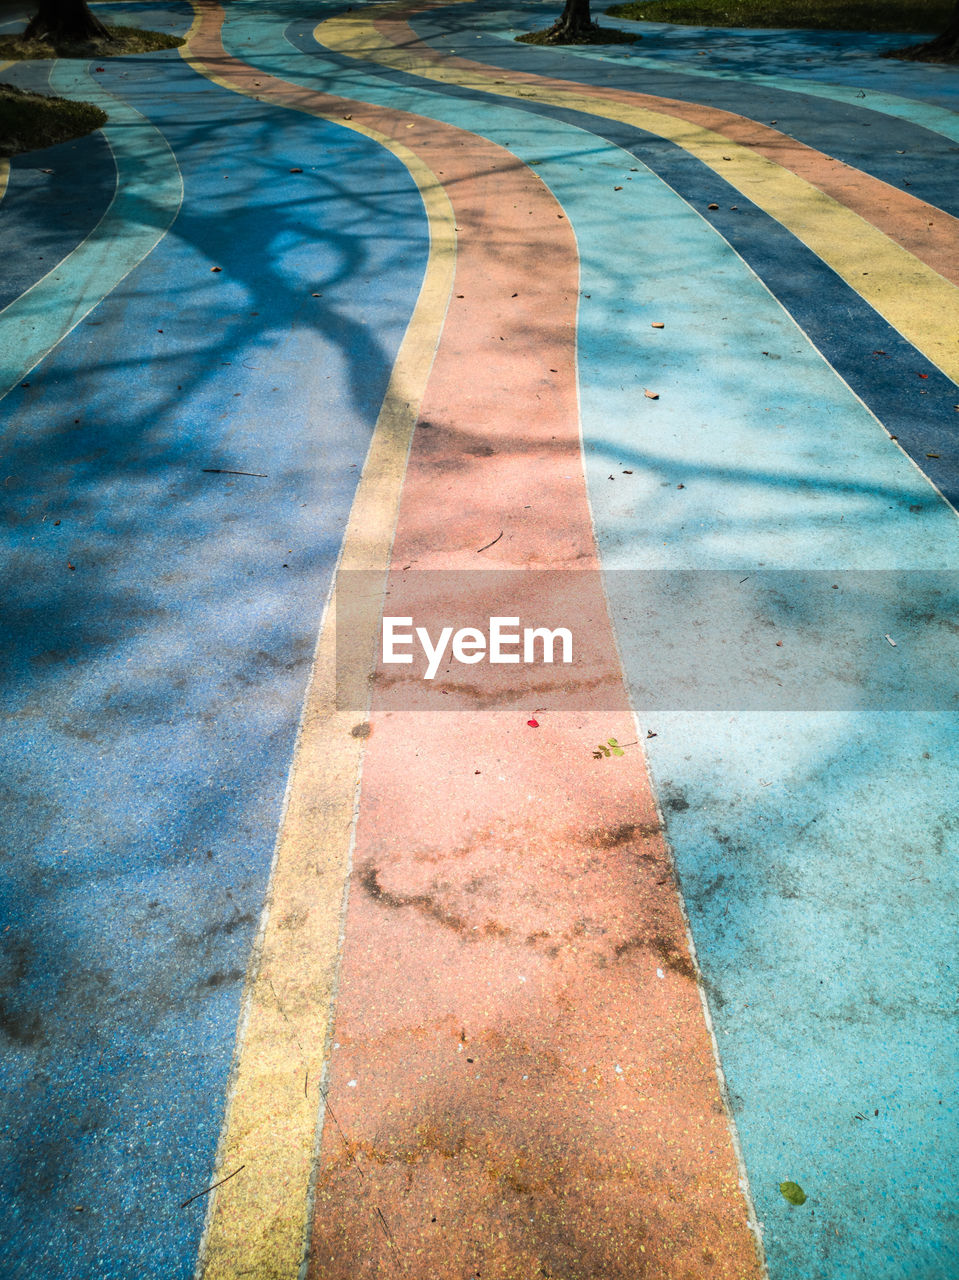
point(590, 35)
point(828, 15)
point(122, 40)
point(29, 121)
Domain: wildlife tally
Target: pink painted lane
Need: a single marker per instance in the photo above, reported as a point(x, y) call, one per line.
point(522, 1081)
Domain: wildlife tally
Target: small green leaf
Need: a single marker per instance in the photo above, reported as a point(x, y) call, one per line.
point(612, 742)
point(792, 1192)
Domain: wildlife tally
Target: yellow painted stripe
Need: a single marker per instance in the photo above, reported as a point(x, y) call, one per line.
point(257, 1222)
point(912, 297)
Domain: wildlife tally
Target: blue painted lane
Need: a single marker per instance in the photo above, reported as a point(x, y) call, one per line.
point(159, 621)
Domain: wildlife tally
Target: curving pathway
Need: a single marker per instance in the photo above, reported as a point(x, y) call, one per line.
point(379, 311)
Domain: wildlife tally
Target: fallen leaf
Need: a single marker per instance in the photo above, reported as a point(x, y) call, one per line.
point(657, 324)
point(792, 1192)
point(712, 206)
point(533, 724)
point(296, 171)
point(650, 395)
point(932, 455)
point(70, 566)
point(216, 268)
point(922, 375)
point(617, 188)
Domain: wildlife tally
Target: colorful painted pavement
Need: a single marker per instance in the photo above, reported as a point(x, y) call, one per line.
point(373, 310)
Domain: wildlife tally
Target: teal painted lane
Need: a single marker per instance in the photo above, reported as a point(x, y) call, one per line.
point(159, 618)
point(53, 199)
point(817, 855)
point(815, 851)
point(146, 200)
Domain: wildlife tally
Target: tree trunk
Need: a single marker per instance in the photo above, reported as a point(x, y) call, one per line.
point(573, 23)
point(65, 20)
point(946, 46)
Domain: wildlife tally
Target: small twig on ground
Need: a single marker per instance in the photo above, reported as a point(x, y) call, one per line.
point(206, 1191)
point(222, 471)
point(491, 544)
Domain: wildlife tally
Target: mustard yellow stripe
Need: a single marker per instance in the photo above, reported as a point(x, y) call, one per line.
point(257, 1222)
point(912, 297)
